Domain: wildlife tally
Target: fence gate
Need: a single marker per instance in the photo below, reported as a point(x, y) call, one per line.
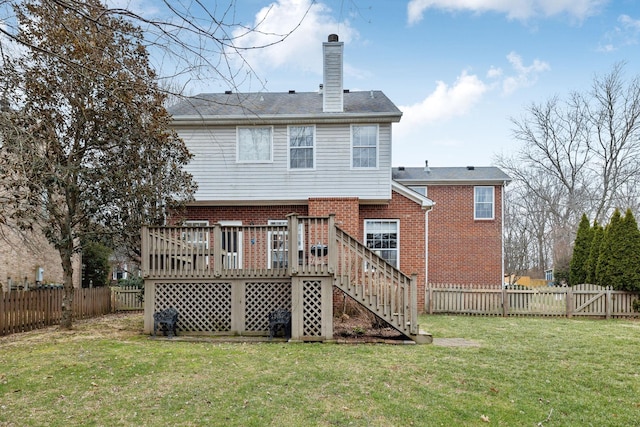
point(127, 298)
point(591, 300)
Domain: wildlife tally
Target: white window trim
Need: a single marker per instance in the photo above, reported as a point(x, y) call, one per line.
point(397, 221)
point(377, 166)
point(285, 222)
point(493, 203)
point(238, 144)
point(313, 147)
point(238, 254)
point(197, 223)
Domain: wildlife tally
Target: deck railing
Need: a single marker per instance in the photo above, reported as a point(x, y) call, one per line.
point(299, 245)
point(375, 283)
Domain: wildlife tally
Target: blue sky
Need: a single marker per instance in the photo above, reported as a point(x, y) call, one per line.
point(458, 69)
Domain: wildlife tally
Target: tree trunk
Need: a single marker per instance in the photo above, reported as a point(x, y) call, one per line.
point(68, 290)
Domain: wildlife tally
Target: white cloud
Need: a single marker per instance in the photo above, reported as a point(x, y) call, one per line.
point(525, 76)
point(627, 33)
point(514, 9)
point(309, 23)
point(444, 103)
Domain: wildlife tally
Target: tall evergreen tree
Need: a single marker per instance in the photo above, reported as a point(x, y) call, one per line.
point(594, 253)
point(608, 271)
point(630, 256)
point(581, 248)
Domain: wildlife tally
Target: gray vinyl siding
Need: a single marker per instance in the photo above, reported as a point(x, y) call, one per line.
point(221, 178)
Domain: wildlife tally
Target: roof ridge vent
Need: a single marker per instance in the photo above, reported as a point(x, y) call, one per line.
point(470, 168)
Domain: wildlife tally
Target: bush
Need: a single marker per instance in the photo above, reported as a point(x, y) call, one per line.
point(137, 282)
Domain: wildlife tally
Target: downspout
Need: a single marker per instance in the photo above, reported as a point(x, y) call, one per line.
point(502, 194)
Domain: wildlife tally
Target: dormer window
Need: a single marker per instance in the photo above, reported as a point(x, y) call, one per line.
point(254, 144)
point(364, 146)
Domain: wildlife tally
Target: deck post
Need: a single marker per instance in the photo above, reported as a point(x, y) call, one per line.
point(296, 309)
point(414, 304)
point(144, 247)
point(332, 245)
point(293, 260)
point(149, 303)
point(217, 250)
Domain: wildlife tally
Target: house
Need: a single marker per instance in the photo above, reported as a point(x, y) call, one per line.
point(465, 229)
point(296, 198)
point(28, 260)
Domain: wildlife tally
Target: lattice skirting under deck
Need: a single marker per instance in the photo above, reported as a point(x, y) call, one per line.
point(210, 307)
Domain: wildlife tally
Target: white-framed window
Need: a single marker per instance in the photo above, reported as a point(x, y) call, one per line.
point(302, 147)
point(364, 146)
point(383, 237)
point(483, 203)
point(278, 250)
point(231, 244)
point(197, 237)
point(254, 144)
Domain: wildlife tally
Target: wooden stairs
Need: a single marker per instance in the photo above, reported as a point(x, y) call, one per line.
point(379, 287)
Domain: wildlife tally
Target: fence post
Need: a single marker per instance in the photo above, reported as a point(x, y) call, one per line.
point(608, 303)
point(505, 302)
point(569, 300)
point(429, 298)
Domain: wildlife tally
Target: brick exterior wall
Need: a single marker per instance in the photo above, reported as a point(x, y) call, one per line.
point(350, 216)
point(20, 259)
point(256, 215)
point(462, 250)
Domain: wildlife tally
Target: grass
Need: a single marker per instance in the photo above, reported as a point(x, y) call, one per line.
point(525, 372)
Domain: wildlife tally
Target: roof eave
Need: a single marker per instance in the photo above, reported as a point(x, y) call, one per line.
point(195, 120)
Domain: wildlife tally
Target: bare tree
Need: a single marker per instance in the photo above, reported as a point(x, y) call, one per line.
point(579, 155)
point(190, 40)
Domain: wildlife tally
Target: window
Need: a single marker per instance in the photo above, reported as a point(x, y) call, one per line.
point(278, 250)
point(419, 190)
point(382, 237)
point(254, 144)
point(231, 244)
point(197, 237)
point(364, 143)
point(483, 203)
point(301, 146)
point(278, 245)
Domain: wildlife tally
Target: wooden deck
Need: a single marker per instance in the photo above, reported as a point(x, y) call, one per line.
point(227, 279)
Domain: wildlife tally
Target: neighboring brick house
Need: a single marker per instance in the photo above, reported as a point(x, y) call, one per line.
point(261, 156)
point(465, 227)
point(29, 258)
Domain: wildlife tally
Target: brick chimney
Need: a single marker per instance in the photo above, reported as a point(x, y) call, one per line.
point(332, 92)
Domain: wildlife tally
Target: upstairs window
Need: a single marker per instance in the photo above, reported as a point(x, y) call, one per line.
point(364, 143)
point(301, 147)
point(254, 144)
point(483, 203)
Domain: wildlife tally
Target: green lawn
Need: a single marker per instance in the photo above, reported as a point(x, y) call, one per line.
point(525, 372)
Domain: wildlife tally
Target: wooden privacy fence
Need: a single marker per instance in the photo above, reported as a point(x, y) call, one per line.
point(23, 311)
point(579, 300)
point(127, 298)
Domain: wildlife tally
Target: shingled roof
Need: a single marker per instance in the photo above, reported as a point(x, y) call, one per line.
point(449, 175)
point(282, 104)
